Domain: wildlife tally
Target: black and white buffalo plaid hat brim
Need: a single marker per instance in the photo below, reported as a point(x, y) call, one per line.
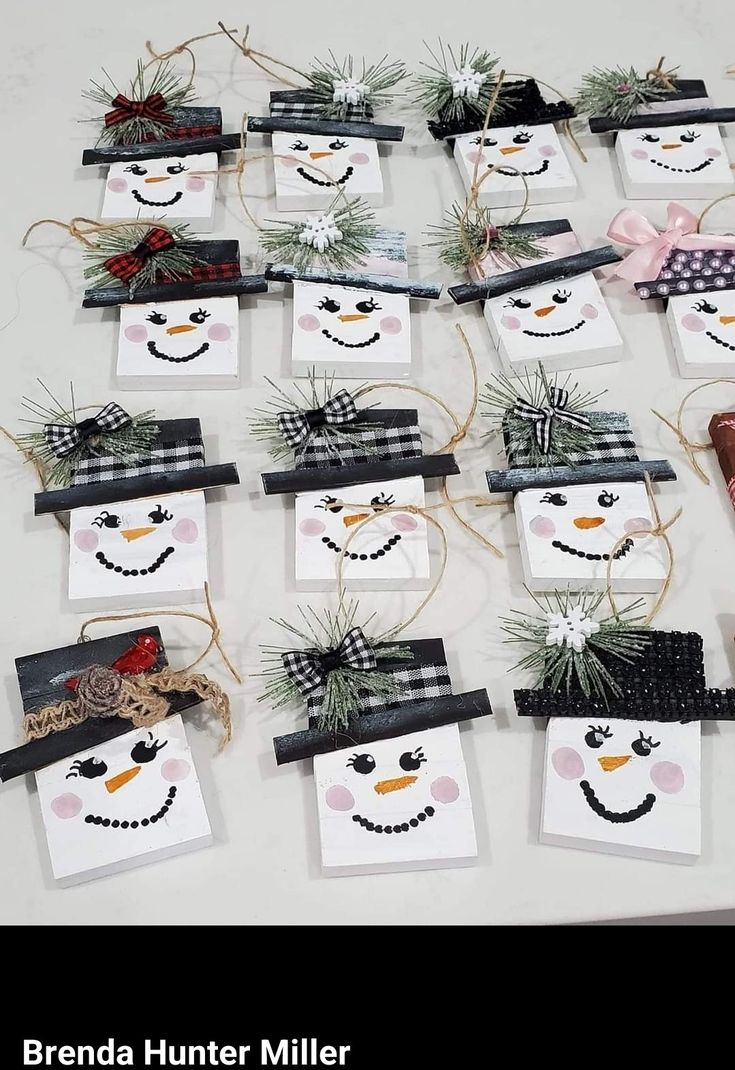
point(361, 445)
point(613, 443)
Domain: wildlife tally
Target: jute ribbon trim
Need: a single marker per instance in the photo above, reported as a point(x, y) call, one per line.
point(691, 448)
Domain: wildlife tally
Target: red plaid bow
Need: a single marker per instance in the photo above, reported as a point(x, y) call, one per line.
point(150, 108)
point(125, 265)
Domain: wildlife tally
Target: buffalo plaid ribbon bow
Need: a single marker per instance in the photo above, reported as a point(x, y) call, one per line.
point(62, 439)
point(296, 427)
point(309, 669)
point(151, 108)
point(543, 416)
point(125, 266)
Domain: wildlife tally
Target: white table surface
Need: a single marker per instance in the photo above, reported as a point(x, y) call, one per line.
point(264, 865)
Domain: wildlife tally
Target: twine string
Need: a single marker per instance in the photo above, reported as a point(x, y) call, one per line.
point(661, 77)
point(178, 50)
point(691, 448)
point(93, 226)
point(707, 208)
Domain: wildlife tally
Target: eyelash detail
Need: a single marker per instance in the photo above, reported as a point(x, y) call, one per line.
point(705, 306)
point(517, 302)
point(146, 750)
point(522, 137)
point(561, 297)
point(328, 305)
point(411, 760)
point(298, 146)
point(643, 745)
point(382, 501)
point(368, 306)
point(329, 504)
point(649, 137)
point(592, 738)
point(136, 169)
point(607, 500)
point(158, 318)
point(176, 169)
point(199, 316)
point(106, 520)
point(553, 499)
point(337, 145)
point(689, 136)
point(159, 515)
point(89, 768)
point(362, 763)
point(486, 142)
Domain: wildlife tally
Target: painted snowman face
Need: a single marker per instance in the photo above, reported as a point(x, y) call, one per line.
point(391, 550)
point(534, 151)
point(568, 533)
point(122, 801)
point(395, 800)
point(148, 545)
point(167, 188)
point(175, 337)
point(704, 328)
point(312, 168)
point(678, 155)
point(635, 784)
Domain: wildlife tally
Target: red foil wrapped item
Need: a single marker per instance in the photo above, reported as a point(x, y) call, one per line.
point(722, 433)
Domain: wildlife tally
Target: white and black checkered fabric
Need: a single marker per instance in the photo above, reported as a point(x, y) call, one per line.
point(297, 427)
point(309, 669)
point(415, 683)
point(173, 456)
point(63, 438)
point(613, 442)
point(308, 109)
point(365, 444)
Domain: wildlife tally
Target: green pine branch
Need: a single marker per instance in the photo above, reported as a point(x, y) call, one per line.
point(379, 77)
point(619, 93)
point(434, 92)
point(464, 241)
point(167, 265)
point(161, 79)
point(355, 219)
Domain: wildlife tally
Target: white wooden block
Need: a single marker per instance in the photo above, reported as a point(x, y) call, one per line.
point(391, 553)
point(122, 804)
point(177, 344)
point(606, 789)
point(558, 530)
point(417, 782)
point(535, 151)
point(703, 331)
point(356, 334)
point(562, 324)
point(112, 549)
point(167, 188)
point(351, 164)
point(674, 162)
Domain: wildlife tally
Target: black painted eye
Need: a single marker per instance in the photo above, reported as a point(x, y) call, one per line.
point(561, 297)
point(487, 142)
point(362, 763)
point(329, 504)
point(597, 735)
point(176, 169)
point(689, 136)
point(643, 745)
point(328, 305)
point(159, 515)
point(89, 768)
point(382, 501)
point(522, 138)
point(518, 302)
point(145, 750)
point(411, 760)
point(649, 137)
point(337, 145)
point(107, 520)
point(299, 146)
point(136, 169)
point(607, 500)
point(199, 316)
point(368, 306)
point(705, 306)
point(553, 499)
point(158, 318)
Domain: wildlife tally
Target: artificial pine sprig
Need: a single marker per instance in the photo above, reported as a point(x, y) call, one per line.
point(168, 264)
point(566, 642)
point(619, 93)
point(337, 239)
point(435, 91)
point(164, 80)
point(464, 239)
point(342, 85)
point(346, 689)
point(127, 442)
point(568, 442)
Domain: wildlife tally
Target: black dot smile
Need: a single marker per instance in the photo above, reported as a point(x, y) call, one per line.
point(385, 549)
point(158, 204)
point(684, 170)
point(405, 826)
point(106, 822)
point(320, 182)
point(623, 817)
point(350, 345)
point(720, 341)
point(526, 174)
point(624, 549)
point(155, 352)
point(112, 567)
point(555, 334)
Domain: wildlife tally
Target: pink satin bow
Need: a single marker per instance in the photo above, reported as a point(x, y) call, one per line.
point(646, 260)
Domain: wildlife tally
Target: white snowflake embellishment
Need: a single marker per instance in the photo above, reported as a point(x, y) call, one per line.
point(349, 91)
point(466, 82)
point(573, 628)
point(320, 232)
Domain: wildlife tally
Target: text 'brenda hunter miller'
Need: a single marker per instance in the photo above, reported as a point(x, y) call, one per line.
point(302, 1052)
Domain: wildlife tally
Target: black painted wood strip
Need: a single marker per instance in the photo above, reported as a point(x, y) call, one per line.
point(161, 150)
point(566, 267)
point(392, 284)
point(131, 488)
point(516, 479)
point(107, 296)
point(545, 228)
point(384, 724)
point(325, 127)
point(388, 417)
point(602, 124)
point(303, 479)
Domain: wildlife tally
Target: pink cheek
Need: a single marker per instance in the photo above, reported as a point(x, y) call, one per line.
point(567, 763)
point(543, 526)
point(391, 325)
point(186, 531)
point(136, 333)
point(589, 312)
point(117, 185)
point(66, 806)
point(359, 158)
point(339, 797)
point(547, 151)
point(289, 161)
point(86, 540)
point(639, 154)
point(308, 322)
point(195, 184)
point(668, 777)
point(445, 790)
point(693, 323)
point(404, 522)
point(639, 524)
point(311, 526)
point(219, 332)
point(175, 769)
point(712, 152)
point(474, 157)
point(511, 323)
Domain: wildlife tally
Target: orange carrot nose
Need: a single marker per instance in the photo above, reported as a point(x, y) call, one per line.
point(319, 155)
point(544, 311)
point(508, 149)
point(157, 178)
point(727, 319)
point(181, 328)
point(121, 779)
point(586, 522)
point(613, 762)
point(130, 534)
point(673, 145)
point(384, 786)
point(352, 317)
point(355, 518)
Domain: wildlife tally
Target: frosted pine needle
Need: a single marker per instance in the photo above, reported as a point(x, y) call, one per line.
point(465, 240)
point(344, 85)
point(434, 91)
point(168, 265)
point(161, 79)
point(619, 93)
point(355, 221)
